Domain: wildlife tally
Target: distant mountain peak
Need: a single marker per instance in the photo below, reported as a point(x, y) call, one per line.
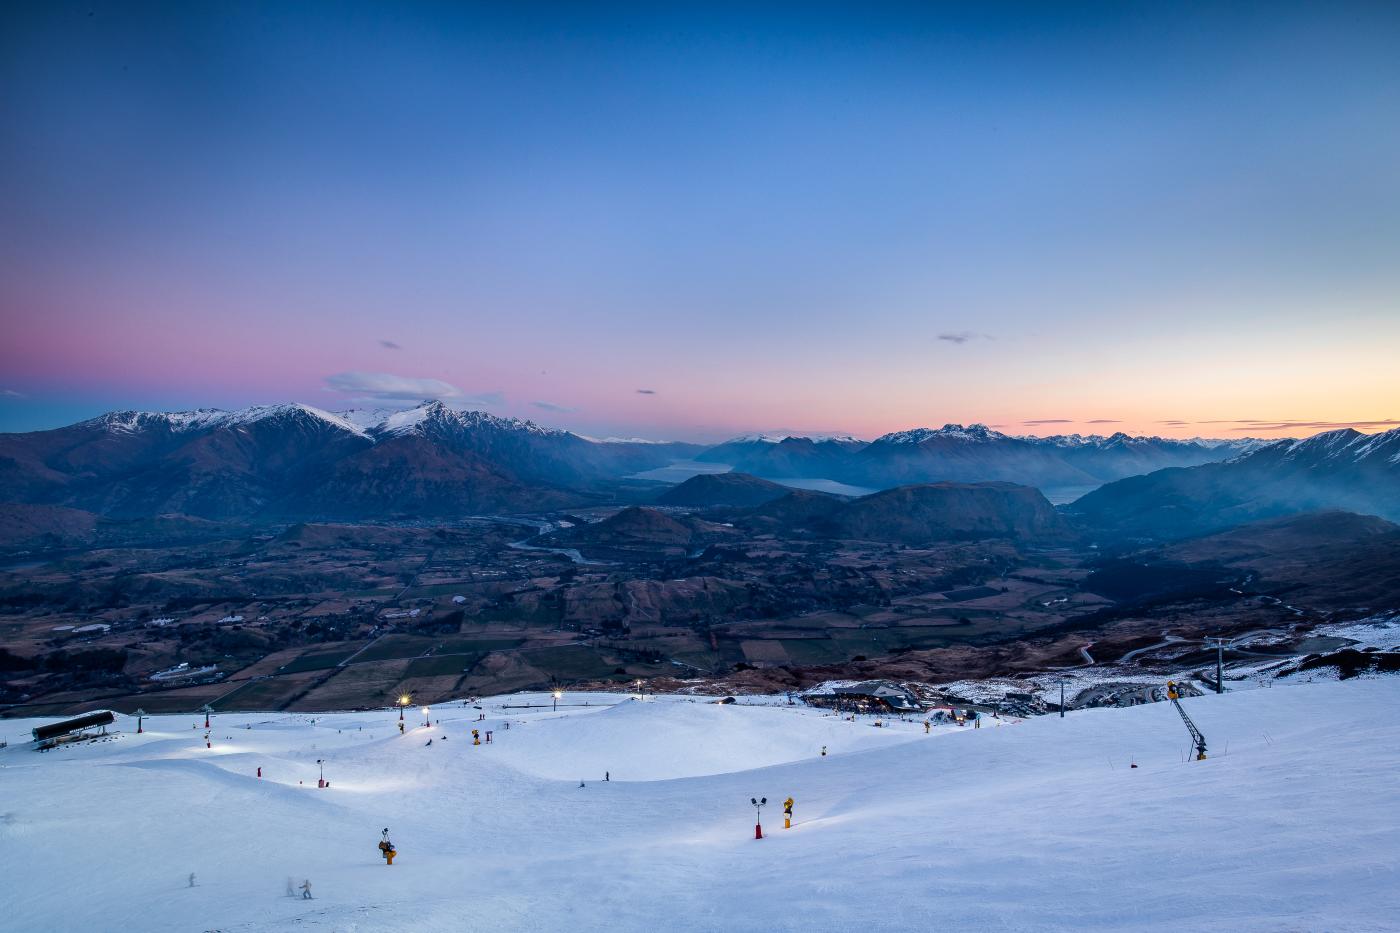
point(779, 437)
point(971, 432)
point(207, 418)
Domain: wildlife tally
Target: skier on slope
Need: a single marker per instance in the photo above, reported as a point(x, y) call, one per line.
point(306, 890)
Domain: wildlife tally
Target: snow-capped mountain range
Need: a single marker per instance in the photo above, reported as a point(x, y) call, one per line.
point(1342, 469)
point(970, 453)
point(291, 461)
point(298, 461)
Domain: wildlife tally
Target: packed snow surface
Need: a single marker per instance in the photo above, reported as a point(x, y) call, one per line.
point(1292, 824)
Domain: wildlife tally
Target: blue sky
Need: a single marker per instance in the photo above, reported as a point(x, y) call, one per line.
point(861, 218)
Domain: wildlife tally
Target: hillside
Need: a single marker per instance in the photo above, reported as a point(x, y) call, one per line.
point(917, 514)
point(710, 490)
point(1325, 559)
point(1038, 824)
point(1343, 469)
point(638, 532)
point(948, 511)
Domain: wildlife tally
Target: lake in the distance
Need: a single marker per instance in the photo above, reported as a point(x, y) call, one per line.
point(678, 471)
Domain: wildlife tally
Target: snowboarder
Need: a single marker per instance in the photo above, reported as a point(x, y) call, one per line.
point(291, 887)
point(191, 879)
point(306, 890)
point(823, 751)
point(400, 728)
point(927, 726)
point(607, 775)
point(430, 742)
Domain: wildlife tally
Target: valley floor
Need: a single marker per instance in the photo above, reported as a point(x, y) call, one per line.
point(1292, 824)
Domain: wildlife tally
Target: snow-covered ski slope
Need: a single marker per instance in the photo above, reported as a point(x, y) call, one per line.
point(1292, 824)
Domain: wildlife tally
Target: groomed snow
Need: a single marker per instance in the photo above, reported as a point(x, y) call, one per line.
point(1292, 824)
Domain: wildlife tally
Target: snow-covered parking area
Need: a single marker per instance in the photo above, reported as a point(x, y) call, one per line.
point(1293, 823)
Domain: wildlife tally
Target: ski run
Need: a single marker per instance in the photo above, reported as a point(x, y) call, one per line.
point(1292, 823)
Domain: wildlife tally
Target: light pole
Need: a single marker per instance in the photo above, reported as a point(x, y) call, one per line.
point(426, 721)
point(206, 711)
point(639, 689)
point(1062, 698)
point(557, 695)
point(1219, 663)
point(321, 777)
point(758, 816)
point(403, 705)
point(140, 715)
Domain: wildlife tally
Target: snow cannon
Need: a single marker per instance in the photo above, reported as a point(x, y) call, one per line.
point(1199, 740)
point(787, 813)
point(386, 848)
point(758, 816)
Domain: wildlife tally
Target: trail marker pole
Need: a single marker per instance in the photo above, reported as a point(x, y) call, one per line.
point(1062, 698)
point(140, 715)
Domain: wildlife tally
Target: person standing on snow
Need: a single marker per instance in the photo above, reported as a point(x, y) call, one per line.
point(306, 890)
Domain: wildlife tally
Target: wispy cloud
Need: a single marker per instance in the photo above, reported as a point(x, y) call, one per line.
point(963, 336)
point(550, 406)
point(1050, 421)
point(390, 389)
point(389, 345)
point(11, 393)
point(1104, 421)
point(1174, 424)
point(390, 386)
point(646, 391)
point(1316, 425)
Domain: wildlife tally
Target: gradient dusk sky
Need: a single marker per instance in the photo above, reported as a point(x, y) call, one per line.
point(1180, 219)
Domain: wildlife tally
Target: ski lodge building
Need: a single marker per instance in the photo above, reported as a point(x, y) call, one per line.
point(866, 696)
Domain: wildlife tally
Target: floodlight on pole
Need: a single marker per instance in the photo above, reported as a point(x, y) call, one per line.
point(557, 695)
point(140, 715)
point(426, 721)
point(1219, 663)
point(758, 803)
